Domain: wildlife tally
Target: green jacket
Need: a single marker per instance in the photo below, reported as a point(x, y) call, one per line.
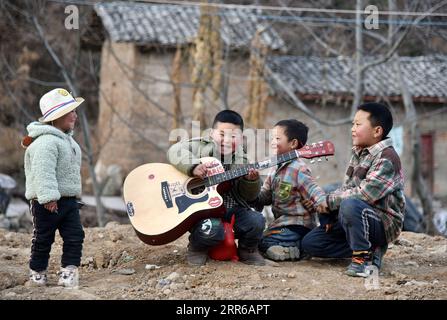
point(52, 164)
point(185, 156)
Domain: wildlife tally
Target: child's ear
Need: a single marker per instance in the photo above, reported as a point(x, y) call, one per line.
point(378, 132)
point(294, 144)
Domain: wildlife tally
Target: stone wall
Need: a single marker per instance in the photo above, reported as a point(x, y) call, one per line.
point(116, 100)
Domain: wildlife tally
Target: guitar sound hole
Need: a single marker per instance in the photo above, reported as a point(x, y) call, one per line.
point(196, 186)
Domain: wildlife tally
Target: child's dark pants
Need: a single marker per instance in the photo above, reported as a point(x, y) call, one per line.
point(68, 222)
point(358, 228)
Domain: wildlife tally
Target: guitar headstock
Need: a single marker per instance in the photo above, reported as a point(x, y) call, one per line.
point(317, 149)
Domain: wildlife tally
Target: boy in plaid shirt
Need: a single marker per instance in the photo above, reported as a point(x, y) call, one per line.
point(367, 211)
point(285, 188)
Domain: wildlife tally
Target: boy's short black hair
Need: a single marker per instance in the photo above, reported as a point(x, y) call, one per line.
point(379, 115)
point(294, 129)
point(229, 116)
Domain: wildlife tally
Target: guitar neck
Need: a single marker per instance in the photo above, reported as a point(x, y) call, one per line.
point(243, 170)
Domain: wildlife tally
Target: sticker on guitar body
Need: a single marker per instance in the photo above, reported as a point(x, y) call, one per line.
point(214, 202)
point(213, 168)
point(176, 189)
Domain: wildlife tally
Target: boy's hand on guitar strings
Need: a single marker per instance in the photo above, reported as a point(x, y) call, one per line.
point(200, 171)
point(252, 175)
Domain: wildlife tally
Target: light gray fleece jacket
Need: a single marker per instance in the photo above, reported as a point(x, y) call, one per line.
point(52, 164)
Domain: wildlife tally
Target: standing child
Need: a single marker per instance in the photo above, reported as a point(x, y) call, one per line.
point(370, 204)
point(225, 144)
point(53, 182)
point(285, 188)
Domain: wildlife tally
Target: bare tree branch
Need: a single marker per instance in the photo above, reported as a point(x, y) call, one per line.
point(309, 30)
point(397, 44)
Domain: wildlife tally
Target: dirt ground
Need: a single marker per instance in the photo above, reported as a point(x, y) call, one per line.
point(117, 265)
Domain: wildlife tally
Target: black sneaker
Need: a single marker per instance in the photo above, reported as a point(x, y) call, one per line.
point(196, 257)
point(251, 256)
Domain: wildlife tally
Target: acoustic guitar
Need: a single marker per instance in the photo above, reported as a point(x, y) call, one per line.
point(163, 203)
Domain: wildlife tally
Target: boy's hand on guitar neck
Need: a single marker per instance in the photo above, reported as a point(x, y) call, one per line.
point(252, 175)
point(200, 171)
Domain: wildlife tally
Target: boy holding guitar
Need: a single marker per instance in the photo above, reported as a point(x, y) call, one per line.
point(225, 144)
point(284, 189)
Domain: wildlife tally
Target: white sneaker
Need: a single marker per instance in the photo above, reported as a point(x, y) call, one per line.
point(69, 277)
point(38, 278)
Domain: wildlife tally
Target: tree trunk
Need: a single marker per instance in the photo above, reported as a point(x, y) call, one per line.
point(417, 180)
point(257, 87)
point(176, 79)
point(208, 64)
point(358, 85)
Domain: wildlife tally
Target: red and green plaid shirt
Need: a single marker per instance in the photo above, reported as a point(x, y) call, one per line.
point(285, 188)
point(375, 176)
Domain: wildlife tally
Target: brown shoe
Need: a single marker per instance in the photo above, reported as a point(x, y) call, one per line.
point(250, 256)
point(196, 257)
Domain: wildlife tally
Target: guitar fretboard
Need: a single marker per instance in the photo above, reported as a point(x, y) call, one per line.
point(243, 170)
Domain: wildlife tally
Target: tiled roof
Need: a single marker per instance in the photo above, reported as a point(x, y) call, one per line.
point(426, 76)
point(146, 23)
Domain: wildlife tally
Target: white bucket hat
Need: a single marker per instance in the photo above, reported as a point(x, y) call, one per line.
point(56, 103)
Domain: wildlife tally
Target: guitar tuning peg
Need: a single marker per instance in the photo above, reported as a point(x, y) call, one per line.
point(312, 161)
point(326, 158)
point(319, 160)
